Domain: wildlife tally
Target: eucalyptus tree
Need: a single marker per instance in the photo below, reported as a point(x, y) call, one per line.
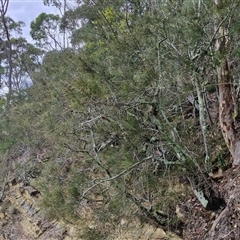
point(9, 28)
point(27, 59)
point(63, 7)
point(45, 30)
point(51, 31)
point(6, 44)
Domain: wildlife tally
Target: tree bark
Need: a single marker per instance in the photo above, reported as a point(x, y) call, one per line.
point(227, 97)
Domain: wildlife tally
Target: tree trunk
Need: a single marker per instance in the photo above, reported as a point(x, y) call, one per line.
point(227, 97)
point(7, 48)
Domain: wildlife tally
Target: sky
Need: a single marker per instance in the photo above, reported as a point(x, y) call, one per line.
point(27, 11)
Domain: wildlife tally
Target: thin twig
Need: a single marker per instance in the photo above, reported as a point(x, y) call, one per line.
point(114, 177)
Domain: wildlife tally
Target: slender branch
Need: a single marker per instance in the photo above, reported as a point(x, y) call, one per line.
point(91, 120)
point(74, 149)
point(100, 181)
point(216, 32)
point(4, 6)
point(203, 124)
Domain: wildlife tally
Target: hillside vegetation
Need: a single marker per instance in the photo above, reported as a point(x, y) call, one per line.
point(132, 110)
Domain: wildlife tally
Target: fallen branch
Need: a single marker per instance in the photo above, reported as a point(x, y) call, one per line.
point(221, 215)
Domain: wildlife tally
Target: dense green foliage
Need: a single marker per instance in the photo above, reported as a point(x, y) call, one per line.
point(107, 122)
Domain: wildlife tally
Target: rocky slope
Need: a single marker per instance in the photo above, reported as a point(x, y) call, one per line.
point(21, 218)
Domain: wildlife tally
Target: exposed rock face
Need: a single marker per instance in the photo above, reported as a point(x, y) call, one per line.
point(135, 230)
point(22, 219)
